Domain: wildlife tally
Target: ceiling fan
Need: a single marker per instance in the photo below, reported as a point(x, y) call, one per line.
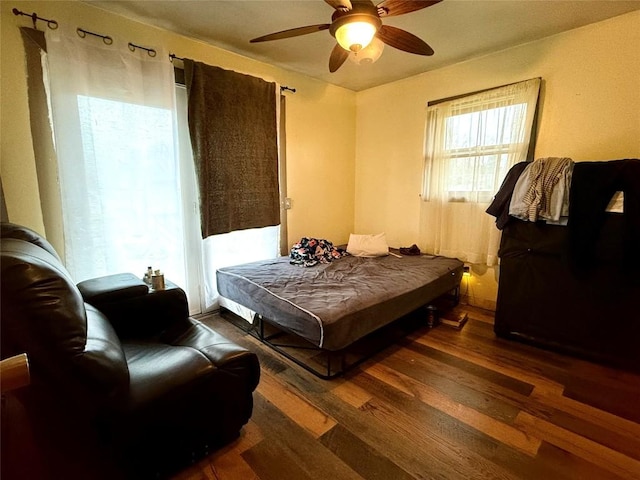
point(355, 23)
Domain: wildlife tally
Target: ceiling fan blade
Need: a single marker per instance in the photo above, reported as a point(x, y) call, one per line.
point(402, 40)
point(293, 32)
point(391, 8)
point(342, 5)
point(338, 57)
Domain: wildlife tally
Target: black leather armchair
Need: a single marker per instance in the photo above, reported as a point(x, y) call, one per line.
point(119, 368)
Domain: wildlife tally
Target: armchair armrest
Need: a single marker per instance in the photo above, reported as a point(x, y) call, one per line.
point(134, 310)
point(111, 288)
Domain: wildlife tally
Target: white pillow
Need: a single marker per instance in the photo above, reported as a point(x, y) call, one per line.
point(368, 245)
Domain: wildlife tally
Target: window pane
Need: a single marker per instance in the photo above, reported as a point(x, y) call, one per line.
point(461, 175)
point(484, 128)
point(475, 174)
point(477, 143)
point(132, 182)
point(461, 131)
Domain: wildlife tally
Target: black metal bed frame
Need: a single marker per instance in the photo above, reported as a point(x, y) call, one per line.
point(268, 333)
point(257, 330)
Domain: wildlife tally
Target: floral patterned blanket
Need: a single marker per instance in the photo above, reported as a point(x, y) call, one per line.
point(308, 252)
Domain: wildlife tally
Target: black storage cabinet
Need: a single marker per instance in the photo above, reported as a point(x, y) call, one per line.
point(592, 311)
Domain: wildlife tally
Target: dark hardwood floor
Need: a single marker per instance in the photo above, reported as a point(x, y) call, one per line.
point(441, 403)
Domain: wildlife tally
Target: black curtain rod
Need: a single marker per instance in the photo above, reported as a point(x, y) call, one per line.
point(52, 24)
point(82, 33)
point(150, 51)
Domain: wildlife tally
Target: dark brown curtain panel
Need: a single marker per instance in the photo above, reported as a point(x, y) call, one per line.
point(233, 129)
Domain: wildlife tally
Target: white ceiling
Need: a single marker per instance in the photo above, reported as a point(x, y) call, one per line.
point(457, 30)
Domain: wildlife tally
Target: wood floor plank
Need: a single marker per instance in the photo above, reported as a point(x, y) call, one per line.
point(439, 403)
point(619, 395)
point(520, 464)
point(361, 457)
point(295, 406)
point(289, 444)
point(233, 467)
point(618, 441)
point(551, 463)
point(510, 393)
point(436, 439)
point(411, 452)
point(271, 461)
point(479, 314)
point(459, 368)
point(551, 391)
point(604, 457)
point(457, 385)
point(352, 394)
point(546, 363)
point(628, 431)
point(478, 333)
point(489, 426)
point(593, 423)
point(228, 464)
point(499, 365)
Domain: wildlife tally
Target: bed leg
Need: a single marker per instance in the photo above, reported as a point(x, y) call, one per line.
point(261, 328)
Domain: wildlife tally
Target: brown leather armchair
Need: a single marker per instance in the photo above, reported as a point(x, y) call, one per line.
point(115, 369)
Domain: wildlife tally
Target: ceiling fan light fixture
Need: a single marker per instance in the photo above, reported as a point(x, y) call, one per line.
point(369, 54)
point(355, 23)
point(354, 36)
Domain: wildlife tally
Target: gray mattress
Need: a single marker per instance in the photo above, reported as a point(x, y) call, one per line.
point(332, 305)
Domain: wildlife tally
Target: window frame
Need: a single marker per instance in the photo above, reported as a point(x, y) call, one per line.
point(475, 151)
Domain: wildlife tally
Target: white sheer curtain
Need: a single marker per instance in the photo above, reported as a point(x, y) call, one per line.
point(234, 248)
point(470, 144)
point(113, 115)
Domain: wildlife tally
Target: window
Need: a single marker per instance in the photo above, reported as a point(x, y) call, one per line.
point(470, 144)
point(479, 158)
point(121, 183)
point(136, 215)
point(124, 177)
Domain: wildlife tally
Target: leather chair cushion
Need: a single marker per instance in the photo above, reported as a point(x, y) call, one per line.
point(220, 351)
point(159, 371)
point(12, 230)
point(102, 363)
point(38, 295)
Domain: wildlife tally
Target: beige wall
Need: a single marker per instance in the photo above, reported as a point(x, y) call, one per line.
point(320, 121)
point(355, 160)
point(590, 111)
point(17, 165)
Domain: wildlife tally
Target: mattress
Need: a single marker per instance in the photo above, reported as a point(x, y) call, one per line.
point(333, 305)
